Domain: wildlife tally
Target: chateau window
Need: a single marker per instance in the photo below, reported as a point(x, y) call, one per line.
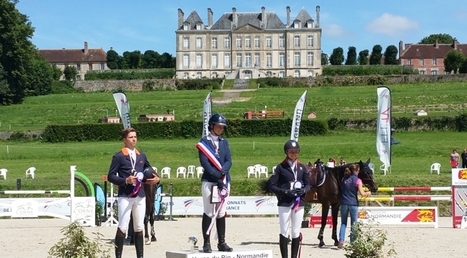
point(248, 42)
point(239, 60)
point(257, 60)
point(297, 59)
point(309, 59)
point(199, 42)
point(199, 61)
point(199, 27)
point(422, 62)
point(309, 40)
point(227, 42)
point(297, 24)
point(422, 71)
point(268, 41)
point(281, 74)
point(434, 72)
point(239, 42)
point(227, 60)
point(186, 61)
point(296, 41)
point(214, 42)
point(269, 60)
point(214, 60)
point(297, 73)
point(186, 26)
point(102, 66)
point(281, 42)
point(281, 59)
point(409, 61)
point(435, 61)
point(199, 75)
point(257, 42)
point(186, 76)
point(78, 67)
point(247, 60)
point(90, 66)
point(186, 43)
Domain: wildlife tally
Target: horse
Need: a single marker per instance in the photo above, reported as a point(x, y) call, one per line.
point(327, 191)
point(150, 191)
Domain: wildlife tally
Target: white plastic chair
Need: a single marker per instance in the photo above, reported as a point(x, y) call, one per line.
point(199, 172)
point(273, 168)
point(372, 167)
point(181, 171)
point(3, 172)
point(190, 171)
point(251, 171)
point(155, 169)
point(30, 172)
point(330, 164)
point(263, 170)
point(435, 167)
point(165, 171)
point(385, 169)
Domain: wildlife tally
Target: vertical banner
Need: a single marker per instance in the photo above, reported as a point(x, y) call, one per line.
point(123, 108)
point(297, 117)
point(207, 107)
point(383, 126)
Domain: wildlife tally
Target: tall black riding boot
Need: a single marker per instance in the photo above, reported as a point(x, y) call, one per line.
point(206, 222)
point(119, 246)
point(222, 245)
point(283, 244)
point(295, 246)
point(139, 244)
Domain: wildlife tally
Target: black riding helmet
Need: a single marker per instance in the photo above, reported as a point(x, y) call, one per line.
point(217, 119)
point(291, 145)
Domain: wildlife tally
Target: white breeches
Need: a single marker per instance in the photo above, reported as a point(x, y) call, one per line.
point(128, 206)
point(210, 208)
point(286, 214)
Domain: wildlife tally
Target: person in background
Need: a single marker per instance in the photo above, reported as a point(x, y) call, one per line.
point(124, 171)
point(215, 149)
point(309, 166)
point(464, 158)
point(351, 185)
point(319, 163)
point(342, 162)
point(454, 159)
point(290, 182)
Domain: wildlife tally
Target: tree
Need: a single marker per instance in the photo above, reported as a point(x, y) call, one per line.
point(113, 59)
point(375, 57)
point(16, 52)
point(337, 56)
point(351, 56)
point(38, 80)
point(390, 55)
point(453, 61)
point(70, 73)
point(57, 73)
point(151, 59)
point(442, 39)
point(167, 61)
point(463, 68)
point(363, 57)
point(324, 59)
point(135, 59)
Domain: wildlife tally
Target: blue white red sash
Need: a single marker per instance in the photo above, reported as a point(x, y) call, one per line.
point(206, 149)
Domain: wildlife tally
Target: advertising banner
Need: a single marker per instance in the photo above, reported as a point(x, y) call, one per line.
point(399, 215)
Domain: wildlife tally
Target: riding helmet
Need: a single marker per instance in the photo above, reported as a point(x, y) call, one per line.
point(149, 172)
point(217, 119)
point(291, 145)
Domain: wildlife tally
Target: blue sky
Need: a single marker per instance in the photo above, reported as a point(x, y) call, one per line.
point(150, 25)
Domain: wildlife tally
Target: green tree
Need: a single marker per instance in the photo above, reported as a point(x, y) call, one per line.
point(57, 73)
point(151, 59)
point(453, 61)
point(351, 56)
point(113, 59)
point(135, 59)
point(337, 56)
point(70, 73)
point(39, 78)
point(390, 55)
point(167, 61)
point(442, 39)
point(324, 59)
point(463, 68)
point(375, 57)
point(16, 51)
point(363, 57)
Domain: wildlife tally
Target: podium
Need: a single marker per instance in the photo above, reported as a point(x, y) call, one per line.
point(215, 254)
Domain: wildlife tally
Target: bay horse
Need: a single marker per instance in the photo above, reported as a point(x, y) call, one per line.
point(150, 191)
point(328, 192)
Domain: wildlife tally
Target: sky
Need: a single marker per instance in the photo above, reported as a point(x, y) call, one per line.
point(128, 25)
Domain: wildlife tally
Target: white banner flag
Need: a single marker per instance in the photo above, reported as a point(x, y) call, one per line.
point(383, 126)
point(207, 107)
point(123, 108)
point(297, 117)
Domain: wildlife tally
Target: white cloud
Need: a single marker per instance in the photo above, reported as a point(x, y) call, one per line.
point(392, 25)
point(335, 30)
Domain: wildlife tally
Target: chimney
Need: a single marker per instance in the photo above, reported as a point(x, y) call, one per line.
point(234, 16)
point(263, 16)
point(111, 48)
point(436, 44)
point(180, 18)
point(85, 47)
point(317, 16)
point(288, 15)
point(210, 17)
point(454, 43)
point(401, 48)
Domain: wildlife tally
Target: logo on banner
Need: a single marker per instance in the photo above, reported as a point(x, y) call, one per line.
point(462, 174)
point(265, 200)
point(189, 202)
point(24, 209)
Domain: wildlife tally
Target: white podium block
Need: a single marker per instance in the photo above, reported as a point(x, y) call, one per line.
point(464, 222)
point(216, 254)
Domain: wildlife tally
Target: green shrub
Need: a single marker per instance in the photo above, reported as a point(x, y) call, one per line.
point(137, 74)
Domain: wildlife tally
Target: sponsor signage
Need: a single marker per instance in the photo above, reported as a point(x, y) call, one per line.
point(235, 254)
point(25, 208)
point(459, 176)
point(399, 215)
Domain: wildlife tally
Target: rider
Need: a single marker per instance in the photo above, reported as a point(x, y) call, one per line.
point(290, 182)
point(217, 148)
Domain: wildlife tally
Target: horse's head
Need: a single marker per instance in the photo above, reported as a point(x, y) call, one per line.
point(366, 175)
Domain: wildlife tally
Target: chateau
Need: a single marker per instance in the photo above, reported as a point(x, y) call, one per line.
point(244, 45)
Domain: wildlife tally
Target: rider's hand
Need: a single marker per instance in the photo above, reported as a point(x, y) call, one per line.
point(289, 193)
point(299, 191)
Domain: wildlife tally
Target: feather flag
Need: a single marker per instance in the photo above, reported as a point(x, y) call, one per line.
point(383, 126)
point(207, 109)
point(297, 117)
point(123, 108)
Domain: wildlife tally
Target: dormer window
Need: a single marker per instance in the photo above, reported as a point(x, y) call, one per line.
point(186, 26)
point(199, 27)
point(309, 24)
point(297, 24)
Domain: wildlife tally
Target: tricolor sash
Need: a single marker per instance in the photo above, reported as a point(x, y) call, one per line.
point(206, 149)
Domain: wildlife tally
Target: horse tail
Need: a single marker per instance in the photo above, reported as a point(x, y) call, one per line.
point(264, 187)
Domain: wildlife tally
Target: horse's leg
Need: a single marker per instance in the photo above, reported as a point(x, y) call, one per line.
point(146, 232)
point(324, 217)
point(335, 212)
point(153, 231)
